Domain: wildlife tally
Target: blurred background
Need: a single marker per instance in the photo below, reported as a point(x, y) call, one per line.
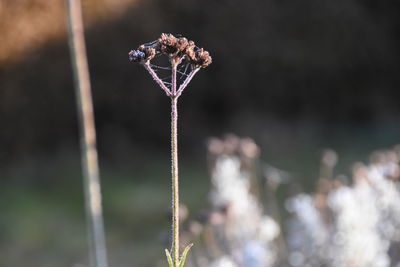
point(295, 76)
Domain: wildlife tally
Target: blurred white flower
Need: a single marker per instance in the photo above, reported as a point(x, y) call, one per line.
point(224, 261)
point(364, 224)
point(250, 234)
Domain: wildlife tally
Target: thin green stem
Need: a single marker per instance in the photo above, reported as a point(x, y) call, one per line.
point(174, 170)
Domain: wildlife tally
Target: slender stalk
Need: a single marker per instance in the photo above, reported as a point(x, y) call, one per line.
point(187, 81)
point(156, 78)
point(174, 170)
point(97, 247)
point(177, 49)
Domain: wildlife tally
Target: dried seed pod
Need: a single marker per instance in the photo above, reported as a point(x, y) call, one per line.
point(182, 44)
point(168, 44)
point(143, 53)
point(150, 53)
point(136, 56)
point(190, 54)
point(203, 58)
point(176, 48)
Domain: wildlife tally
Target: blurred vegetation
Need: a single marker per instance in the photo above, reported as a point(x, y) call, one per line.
point(43, 216)
point(311, 62)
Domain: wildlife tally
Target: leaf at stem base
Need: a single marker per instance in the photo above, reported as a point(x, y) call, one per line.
point(184, 254)
point(169, 258)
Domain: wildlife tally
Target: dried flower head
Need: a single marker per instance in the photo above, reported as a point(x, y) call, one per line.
point(183, 54)
point(190, 54)
point(168, 44)
point(143, 53)
point(175, 48)
point(136, 56)
point(182, 44)
point(202, 58)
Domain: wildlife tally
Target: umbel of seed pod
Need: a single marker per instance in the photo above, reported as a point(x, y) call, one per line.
point(168, 44)
point(202, 58)
point(174, 48)
point(143, 53)
point(136, 56)
point(190, 54)
point(181, 46)
point(150, 52)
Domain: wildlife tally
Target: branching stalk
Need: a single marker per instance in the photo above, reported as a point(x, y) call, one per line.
point(187, 81)
point(97, 247)
point(177, 50)
point(156, 78)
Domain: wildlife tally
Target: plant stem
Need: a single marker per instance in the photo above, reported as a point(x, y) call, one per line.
point(174, 170)
point(97, 247)
point(187, 81)
point(156, 78)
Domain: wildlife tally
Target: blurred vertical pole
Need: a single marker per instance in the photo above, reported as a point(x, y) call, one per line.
point(97, 247)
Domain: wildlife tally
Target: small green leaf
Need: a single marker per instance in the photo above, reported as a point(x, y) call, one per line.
point(169, 258)
point(184, 254)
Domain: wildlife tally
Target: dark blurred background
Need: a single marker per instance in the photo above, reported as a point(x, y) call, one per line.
point(296, 76)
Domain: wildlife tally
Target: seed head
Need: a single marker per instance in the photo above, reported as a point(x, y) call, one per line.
point(190, 51)
point(181, 45)
point(202, 58)
point(150, 53)
point(143, 53)
point(136, 56)
point(175, 48)
point(168, 44)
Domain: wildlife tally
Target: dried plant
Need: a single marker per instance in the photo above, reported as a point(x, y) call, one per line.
point(185, 60)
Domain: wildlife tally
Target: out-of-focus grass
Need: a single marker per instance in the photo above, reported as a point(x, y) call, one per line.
point(39, 225)
point(43, 223)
